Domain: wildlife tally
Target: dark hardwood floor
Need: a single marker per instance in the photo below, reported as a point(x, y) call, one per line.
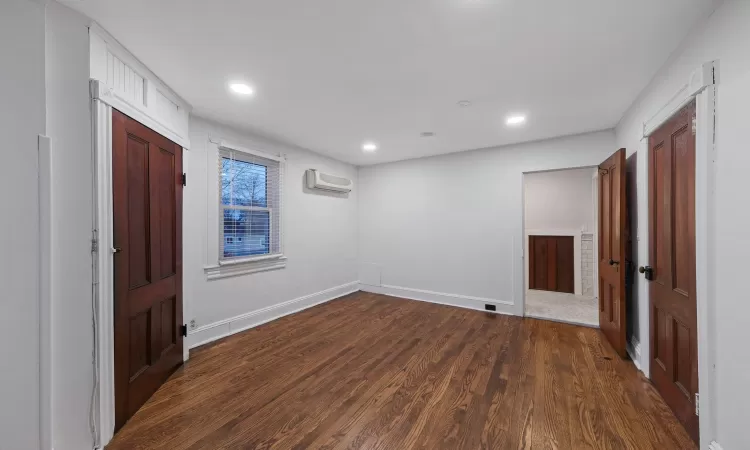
point(375, 372)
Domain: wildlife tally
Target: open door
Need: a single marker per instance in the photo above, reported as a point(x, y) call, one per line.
point(612, 241)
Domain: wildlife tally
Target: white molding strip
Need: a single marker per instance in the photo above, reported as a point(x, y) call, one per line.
point(634, 350)
point(227, 327)
point(103, 272)
point(705, 258)
point(714, 446)
point(129, 86)
point(441, 298)
point(45, 289)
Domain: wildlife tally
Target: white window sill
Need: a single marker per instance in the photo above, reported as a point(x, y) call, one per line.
point(237, 267)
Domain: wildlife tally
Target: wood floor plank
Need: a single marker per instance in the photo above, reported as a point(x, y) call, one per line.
point(376, 372)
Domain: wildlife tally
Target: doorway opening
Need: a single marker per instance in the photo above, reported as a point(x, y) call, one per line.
point(560, 239)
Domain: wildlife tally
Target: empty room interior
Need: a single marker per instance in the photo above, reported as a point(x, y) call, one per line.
point(560, 236)
point(395, 224)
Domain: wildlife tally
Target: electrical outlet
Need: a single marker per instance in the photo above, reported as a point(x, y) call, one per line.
point(192, 324)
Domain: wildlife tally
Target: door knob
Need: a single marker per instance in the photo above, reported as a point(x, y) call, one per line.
point(116, 249)
point(648, 271)
point(612, 262)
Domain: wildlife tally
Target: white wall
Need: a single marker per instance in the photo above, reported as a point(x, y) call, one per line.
point(320, 235)
point(21, 121)
point(724, 36)
point(560, 200)
point(69, 129)
point(451, 225)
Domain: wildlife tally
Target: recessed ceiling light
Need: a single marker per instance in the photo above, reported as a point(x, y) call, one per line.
point(241, 88)
point(369, 147)
point(515, 120)
point(464, 103)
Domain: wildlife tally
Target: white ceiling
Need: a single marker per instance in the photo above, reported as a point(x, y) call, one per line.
point(331, 74)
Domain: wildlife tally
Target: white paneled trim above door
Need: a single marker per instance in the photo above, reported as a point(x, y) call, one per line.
point(130, 87)
point(701, 86)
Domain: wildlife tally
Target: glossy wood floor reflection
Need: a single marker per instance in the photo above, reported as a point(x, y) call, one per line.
point(374, 372)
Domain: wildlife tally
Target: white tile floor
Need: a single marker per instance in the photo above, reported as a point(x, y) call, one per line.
point(562, 307)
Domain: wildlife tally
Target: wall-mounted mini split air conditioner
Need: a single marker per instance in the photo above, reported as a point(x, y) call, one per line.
point(326, 182)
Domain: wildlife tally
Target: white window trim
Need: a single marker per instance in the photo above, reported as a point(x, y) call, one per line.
point(217, 267)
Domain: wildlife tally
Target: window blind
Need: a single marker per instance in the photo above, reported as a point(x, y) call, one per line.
point(250, 205)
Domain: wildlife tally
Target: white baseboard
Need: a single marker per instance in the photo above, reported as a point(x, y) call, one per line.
point(714, 446)
point(441, 298)
point(634, 350)
point(227, 327)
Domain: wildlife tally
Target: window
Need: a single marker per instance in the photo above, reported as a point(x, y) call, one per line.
point(250, 205)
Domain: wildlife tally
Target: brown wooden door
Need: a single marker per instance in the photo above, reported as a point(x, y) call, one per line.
point(612, 240)
point(674, 341)
point(551, 262)
point(147, 197)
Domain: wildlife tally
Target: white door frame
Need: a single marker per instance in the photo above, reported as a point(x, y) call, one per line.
point(701, 86)
point(103, 101)
point(521, 311)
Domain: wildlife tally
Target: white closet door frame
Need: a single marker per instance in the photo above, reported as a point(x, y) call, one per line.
point(701, 86)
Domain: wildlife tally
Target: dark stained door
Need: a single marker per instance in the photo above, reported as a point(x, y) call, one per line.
point(551, 262)
point(612, 241)
point(674, 341)
point(147, 197)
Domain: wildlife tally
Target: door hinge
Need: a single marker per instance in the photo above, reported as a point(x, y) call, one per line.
point(184, 179)
point(697, 404)
point(94, 245)
point(695, 125)
point(183, 330)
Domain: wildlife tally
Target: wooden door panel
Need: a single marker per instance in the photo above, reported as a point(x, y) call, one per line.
point(551, 266)
point(165, 194)
point(147, 207)
point(660, 215)
point(551, 261)
point(674, 349)
point(612, 241)
point(565, 264)
point(138, 229)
